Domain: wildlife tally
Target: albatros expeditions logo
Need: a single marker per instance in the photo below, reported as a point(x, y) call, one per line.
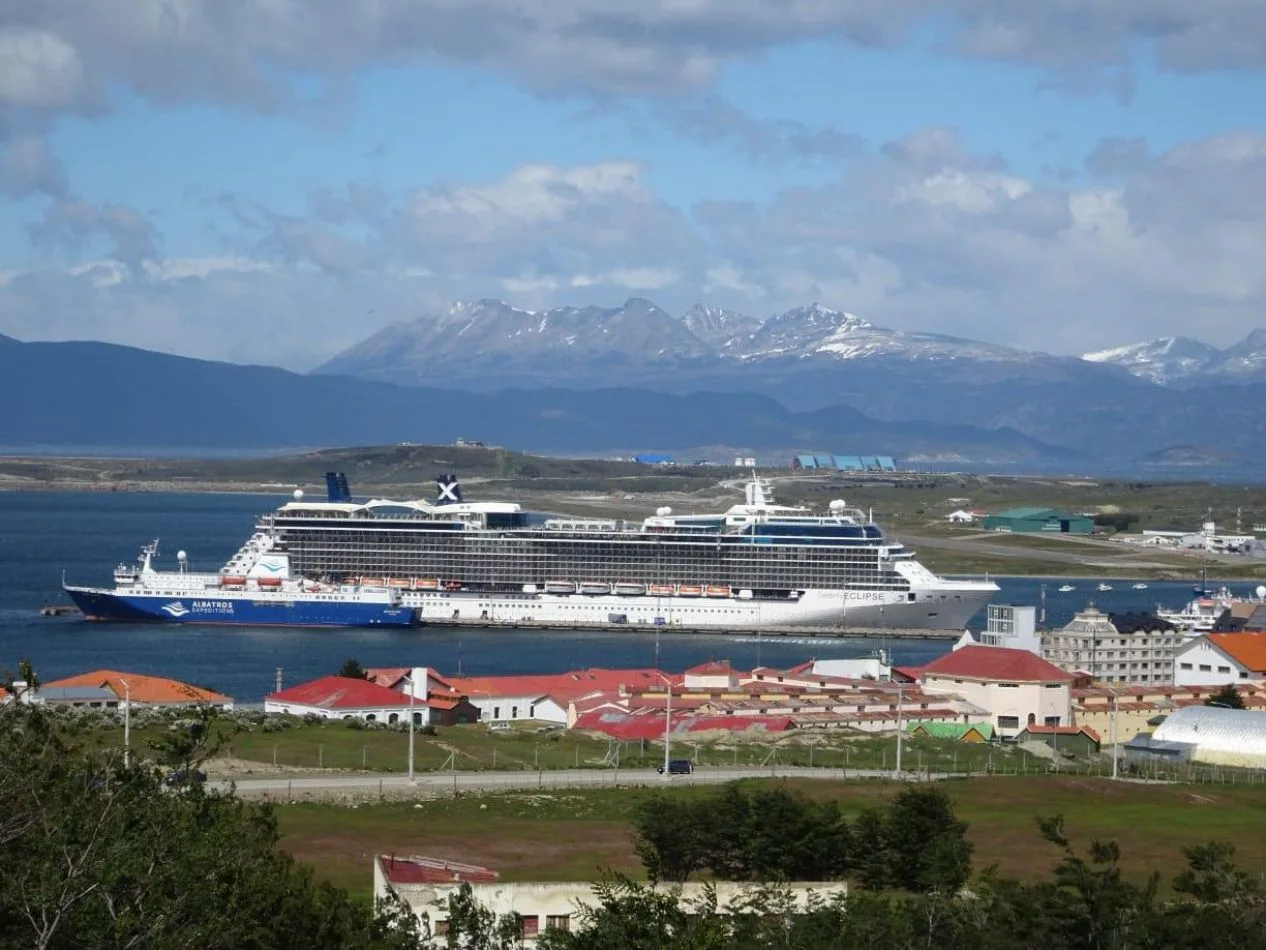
point(175, 609)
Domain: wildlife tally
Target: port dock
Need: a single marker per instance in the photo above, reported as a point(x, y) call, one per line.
point(773, 632)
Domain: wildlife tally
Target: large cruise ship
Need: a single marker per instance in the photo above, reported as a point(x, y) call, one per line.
point(758, 564)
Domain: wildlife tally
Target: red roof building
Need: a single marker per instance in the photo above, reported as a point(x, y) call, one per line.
point(424, 870)
point(995, 663)
point(144, 690)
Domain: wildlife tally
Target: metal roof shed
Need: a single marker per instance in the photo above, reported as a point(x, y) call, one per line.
point(1217, 736)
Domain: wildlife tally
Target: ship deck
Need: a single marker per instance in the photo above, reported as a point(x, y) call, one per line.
point(773, 632)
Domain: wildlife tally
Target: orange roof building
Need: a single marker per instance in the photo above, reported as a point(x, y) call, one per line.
point(1220, 658)
point(144, 690)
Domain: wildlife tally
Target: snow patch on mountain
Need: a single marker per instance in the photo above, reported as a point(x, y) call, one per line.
point(1173, 359)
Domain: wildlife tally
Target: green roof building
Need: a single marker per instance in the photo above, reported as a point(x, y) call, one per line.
point(958, 731)
point(1039, 521)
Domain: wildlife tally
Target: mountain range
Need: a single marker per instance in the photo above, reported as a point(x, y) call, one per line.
point(83, 395)
point(1183, 361)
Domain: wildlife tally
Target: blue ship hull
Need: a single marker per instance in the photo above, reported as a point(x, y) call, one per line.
point(244, 611)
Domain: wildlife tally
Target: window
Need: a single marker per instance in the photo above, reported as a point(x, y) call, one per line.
point(531, 712)
point(496, 712)
point(1204, 668)
point(1184, 666)
point(1243, 674)
point(1051, 721)
point(1009, 685)
point(1052, 685)
point(1224, 669)
point(514, 712)
point(531, 925)
point(1008, 722)
point(558, 922)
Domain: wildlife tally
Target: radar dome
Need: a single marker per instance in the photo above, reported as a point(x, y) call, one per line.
point(837, 504)
point(1261, 591)
point(298, 494)
point(181, 556)
point(664, 511)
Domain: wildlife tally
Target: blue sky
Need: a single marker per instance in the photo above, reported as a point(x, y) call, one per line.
point(169, 185)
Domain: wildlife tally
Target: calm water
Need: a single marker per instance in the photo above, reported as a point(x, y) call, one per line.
point(86, 534)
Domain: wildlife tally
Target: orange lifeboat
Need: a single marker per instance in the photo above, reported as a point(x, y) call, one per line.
point(233, 581)
point(662, 590)
point(690, 590)
point(714, 591)
point(400, 582)
point(426, 583)
point(268, 581)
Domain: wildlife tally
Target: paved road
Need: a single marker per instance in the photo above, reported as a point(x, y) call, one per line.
point(435, 784)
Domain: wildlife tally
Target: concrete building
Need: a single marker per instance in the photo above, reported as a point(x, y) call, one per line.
point(425, 885)
point(1138, 708)
point(1039, 520)
point(341, 697)
point(546, 698)
point(1115, 648)
point(1014, 688)
point(1216, 659)
point(140, 689)
point(1011, 626)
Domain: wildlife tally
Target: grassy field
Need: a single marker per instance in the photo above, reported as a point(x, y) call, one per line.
point(577, 834)
point(331, 745)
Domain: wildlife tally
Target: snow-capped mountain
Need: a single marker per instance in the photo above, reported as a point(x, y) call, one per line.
point(1182, 360)
point(719, 327)
point(819, 331)
point(490, 336)
point(1161, 361)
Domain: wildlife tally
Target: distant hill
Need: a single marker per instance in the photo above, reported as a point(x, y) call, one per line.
point(99, 394)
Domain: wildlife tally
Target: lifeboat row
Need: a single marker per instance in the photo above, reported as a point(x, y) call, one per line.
point(404, 583)
point(595, 588)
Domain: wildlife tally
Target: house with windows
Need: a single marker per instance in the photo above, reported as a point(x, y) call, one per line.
point(343, 697)
point(1216, 659)
point(545, 697)
point(1014, 688)
point(424, 885)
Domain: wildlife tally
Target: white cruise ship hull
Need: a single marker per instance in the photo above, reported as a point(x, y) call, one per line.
point(948, 608)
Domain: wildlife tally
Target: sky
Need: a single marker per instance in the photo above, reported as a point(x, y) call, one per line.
point(271, 181)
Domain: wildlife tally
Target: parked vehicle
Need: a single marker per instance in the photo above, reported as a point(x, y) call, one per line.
point(677, 767)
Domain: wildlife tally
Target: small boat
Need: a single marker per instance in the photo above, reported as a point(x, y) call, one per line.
point(630, 590)
point(234, 582)
point(560, 587)
point(662, 590)
point(426, 583)
point(1065, 588)
point(1105, 587)
point(1140, 586)
point(268, 581)
point(371, 582)
point(399, 582)
point(690, 590)
point(715, 591)
point(594, 588)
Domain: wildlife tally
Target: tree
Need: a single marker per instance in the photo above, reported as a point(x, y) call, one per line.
point(352, 669)
point(1228, 695)
point(27, 676)
point(927, 846)
point(668, 837)
point(96, 853)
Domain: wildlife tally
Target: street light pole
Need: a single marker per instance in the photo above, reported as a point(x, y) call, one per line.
point(411, 691)
point(900, 699)
point(668, 713)
point(1115, 737)
point(127, 723)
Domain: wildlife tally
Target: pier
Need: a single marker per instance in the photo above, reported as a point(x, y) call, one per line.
point(773, 632)
point(58, 610)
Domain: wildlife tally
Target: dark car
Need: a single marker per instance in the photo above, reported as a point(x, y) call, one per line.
point(181, 777)
point(677, 767)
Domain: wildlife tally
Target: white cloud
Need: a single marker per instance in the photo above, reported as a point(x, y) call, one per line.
point(38, 69)
point(921, 234)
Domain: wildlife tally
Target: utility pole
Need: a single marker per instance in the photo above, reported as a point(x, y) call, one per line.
point(899, 702)
point(1115, 743)
point(668, 714)
point(411, 725)
point(127, 723)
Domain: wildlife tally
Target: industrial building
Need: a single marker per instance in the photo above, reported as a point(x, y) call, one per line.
point(1115, 648)
point(1039, 521)
point(845, 463)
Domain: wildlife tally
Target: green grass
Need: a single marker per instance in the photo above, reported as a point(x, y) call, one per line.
point(577, 834)
point(332, 745)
